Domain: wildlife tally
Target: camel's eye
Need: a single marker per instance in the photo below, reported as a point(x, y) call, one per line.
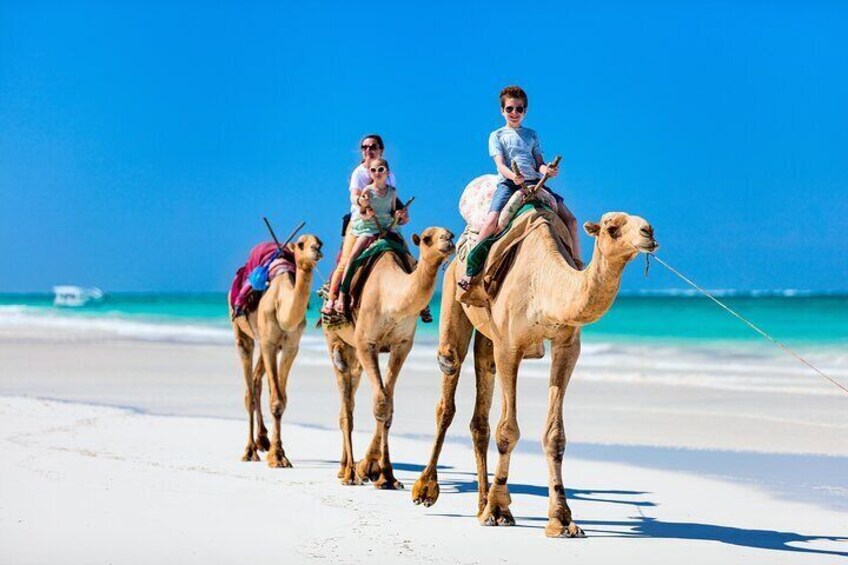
point(614, 231)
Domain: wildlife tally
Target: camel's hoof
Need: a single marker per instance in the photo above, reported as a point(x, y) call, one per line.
point(368, 469)
point(388, 483)
point(425, 491)
point(263, 443)
point(349, 477)
point(555, 529)
point(278, 460)
point(496, 517)
point(447, 364)
point(250, 454)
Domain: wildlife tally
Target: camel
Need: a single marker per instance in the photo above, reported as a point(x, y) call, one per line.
point(542, 297)
point(277, 324)
point(388, 310)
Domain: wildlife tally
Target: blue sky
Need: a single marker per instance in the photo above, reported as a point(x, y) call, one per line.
point(141, 144)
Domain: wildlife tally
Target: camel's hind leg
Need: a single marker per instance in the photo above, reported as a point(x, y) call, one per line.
point(244, 346)
point(262, 442)
point(484, 369)
point(455, 331)
point(278, 375)
point(560, 523)
point(348, 372)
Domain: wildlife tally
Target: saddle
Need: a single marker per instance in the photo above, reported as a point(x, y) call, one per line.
point(363, 265)
point(265, 262)
point(491, 260)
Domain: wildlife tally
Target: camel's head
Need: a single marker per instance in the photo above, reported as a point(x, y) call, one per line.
point(307, 251)
point(435, 243)
point(622, 236)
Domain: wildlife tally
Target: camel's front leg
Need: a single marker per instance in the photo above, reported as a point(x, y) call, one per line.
point(262, 442)
point(564, 357)
point(397, 356)
point(367, 353)
point(244, 346)
point(496, 512)
point(455, 332)
point(278, 375)
point(484, 369)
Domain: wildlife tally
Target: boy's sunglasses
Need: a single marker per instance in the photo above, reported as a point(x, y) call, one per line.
point(380, 169)
point(510, 109)
point(366, 147)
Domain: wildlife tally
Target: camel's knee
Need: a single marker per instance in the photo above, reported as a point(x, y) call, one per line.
point(507, 436)
point(445, 411)
point(479, 428)
point(278, 406)
point(448, 359)
point(554, 441)
point(346, 419)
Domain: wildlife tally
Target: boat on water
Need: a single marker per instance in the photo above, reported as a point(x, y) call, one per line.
point(73, 296)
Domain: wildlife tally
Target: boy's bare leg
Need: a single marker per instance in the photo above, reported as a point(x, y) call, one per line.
point(489, 226)
point(571, 224)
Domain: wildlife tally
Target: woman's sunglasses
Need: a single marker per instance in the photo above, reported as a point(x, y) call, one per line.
point(380, 169)
point(510, 109)
point(373, 146)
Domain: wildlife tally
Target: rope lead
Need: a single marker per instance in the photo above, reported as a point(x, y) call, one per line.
point(751, 325)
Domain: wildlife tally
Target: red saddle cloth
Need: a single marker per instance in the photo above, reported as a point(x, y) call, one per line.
point(243, 297)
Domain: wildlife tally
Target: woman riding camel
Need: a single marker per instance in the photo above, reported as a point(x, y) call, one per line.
point(371, 148)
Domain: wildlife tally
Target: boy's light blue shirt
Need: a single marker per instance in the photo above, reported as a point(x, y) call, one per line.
point(516, 144)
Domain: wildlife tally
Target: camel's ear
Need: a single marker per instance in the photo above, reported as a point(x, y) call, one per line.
point(290, 247)
point(592, 228)
point(416, 240)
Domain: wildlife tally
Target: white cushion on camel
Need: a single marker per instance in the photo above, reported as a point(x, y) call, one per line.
point(477, 197)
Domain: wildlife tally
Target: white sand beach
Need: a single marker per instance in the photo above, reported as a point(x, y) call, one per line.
point(120, 450)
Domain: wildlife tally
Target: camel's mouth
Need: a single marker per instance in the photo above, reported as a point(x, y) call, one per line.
point(650, 247)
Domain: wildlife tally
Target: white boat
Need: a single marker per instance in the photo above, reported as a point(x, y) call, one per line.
point(72, 296)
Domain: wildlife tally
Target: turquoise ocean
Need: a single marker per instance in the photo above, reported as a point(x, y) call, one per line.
point(793, 317)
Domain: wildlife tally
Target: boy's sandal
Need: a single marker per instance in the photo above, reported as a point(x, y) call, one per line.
point(464, 283)
point(339, 306)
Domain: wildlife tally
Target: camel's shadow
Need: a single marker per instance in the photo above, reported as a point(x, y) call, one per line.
point(645, 527)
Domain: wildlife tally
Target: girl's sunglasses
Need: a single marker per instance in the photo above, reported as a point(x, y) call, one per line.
point(373, 146)
point(380, 169)
point(510, 109)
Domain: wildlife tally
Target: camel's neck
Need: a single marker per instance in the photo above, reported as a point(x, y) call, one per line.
point(416, 289)
point(294, 305)
point(573, 297)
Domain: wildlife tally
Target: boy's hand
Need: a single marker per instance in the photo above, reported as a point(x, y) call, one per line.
point(552, 172)
point(517, 178)
point(367, 213)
